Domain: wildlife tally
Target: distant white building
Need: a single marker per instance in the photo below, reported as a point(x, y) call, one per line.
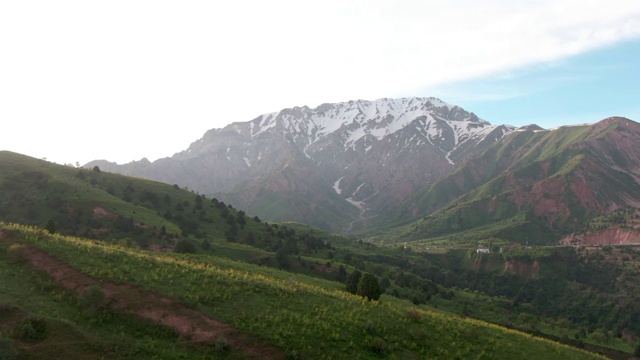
point(483, 250)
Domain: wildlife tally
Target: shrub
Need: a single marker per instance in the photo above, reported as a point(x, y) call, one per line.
point(221, 346)
point(413, 314)
point(33, 329)
point(282, 256)
point(368, 326)
point(92, 300)
point(17, 252)
point(50, 226)
point(184, 247)
point(377, 345)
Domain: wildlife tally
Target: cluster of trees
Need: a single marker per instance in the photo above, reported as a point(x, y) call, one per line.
point(623, 218)
point(592, 291)
point(365, 285)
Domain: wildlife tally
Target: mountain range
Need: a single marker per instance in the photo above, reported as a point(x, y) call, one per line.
point(86, 245)
point(330, 166)
point(432, 167)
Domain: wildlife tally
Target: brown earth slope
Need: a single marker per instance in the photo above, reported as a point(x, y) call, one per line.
point(187, 322)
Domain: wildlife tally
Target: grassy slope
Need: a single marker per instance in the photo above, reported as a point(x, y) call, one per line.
point(457, 205)
point(88, 195)
point(306, 317)
point(34, 191)
point(71, 333)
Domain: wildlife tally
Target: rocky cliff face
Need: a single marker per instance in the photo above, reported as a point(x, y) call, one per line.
point(348, 160)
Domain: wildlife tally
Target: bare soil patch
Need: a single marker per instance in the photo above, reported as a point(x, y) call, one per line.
point(100, 212)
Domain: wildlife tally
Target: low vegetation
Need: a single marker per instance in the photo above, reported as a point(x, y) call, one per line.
point(301, 292)
point(303, 316)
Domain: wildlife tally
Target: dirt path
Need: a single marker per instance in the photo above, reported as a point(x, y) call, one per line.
point(189, 323)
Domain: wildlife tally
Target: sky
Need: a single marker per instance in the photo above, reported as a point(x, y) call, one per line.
point(122, 80)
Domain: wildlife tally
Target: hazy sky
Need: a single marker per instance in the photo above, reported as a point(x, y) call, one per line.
point(122, 80)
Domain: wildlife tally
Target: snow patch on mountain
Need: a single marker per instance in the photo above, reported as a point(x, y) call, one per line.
point(359, 204)
point(264, 123)
point(378, 118)
point(336, 186)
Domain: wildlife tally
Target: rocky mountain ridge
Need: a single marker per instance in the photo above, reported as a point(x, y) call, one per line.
point(363, 166)
point(535, 187)
point(351, 159)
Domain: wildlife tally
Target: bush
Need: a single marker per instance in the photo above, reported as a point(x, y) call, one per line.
point(17, 252)
point(92, 300)
point(221, 346)
point(413, 314)
point(377, 345)
point(50, 226)
point(184, 247)
point(282, 256)
point(368, 326)
point(33, 330)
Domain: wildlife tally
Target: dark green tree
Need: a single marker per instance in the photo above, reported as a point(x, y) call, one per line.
point(250, 238)
point(352, 281)
point(368, 287)
point(385, 283)
point(198, 201)
point(342, 273)
point(184, 247)
point(240, 218)
point(33, 329)
point(50, 226)
point(282, 256)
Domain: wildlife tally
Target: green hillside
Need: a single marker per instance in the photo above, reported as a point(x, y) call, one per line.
point(275, 312)
point(130, 211)
point(283, 285)
point(532, 188)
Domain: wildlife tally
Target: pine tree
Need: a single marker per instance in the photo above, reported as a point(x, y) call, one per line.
point(352, 281)
point(50, 227)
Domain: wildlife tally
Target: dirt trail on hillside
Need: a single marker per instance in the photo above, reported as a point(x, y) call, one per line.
point(188, 323)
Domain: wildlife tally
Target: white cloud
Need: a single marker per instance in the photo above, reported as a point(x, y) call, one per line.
point(126, 79)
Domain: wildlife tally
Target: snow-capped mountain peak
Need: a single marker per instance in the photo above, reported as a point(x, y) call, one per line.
point(357, 119)
point(358, 155)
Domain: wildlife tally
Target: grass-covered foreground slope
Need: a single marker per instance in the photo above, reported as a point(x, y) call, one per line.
point(283, 314)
